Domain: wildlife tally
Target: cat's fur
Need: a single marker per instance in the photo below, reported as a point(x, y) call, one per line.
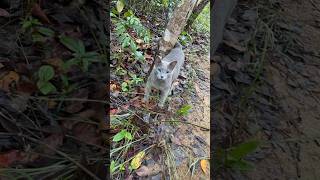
point(164, 73)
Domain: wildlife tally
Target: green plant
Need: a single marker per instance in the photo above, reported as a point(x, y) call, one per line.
point(184, 110)
point(81, 57)
point(202, 22)
point(125, 87)
point(135, 79)
point(38, 33)
point(126, 40)
point(185, 38)
point(121, 135)
point(234, 157)
point(45, 74)
point(29, 22)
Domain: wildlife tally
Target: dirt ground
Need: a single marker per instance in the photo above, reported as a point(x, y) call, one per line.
point(283, 110)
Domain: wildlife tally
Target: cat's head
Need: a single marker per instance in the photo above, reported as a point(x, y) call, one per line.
point(164, 69)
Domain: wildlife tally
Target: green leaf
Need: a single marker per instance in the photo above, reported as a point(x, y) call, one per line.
point(46, 31)
point(113, 166)
point(165, 3)
point(184, 110)
point(242, 165)
point(120, 5)
point(119, 136)
point(85, 65)
point(139, 55)
point(69, 63)
point(128, 13)
point(74, 45)
point(65, 80)
point(46, 73)
point(125, 87)
point(243, 149)
point(122, 167)
point(128, 135)
point(37, 37)
point(46, 87)
point(26, 24)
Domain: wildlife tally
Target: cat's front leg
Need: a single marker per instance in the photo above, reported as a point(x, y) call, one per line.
point(147, 91)
point(163, 97)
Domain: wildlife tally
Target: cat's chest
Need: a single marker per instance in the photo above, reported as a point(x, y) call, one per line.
point(159, 84)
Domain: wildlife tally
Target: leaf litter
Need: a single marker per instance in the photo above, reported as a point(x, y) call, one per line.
point(48, 124)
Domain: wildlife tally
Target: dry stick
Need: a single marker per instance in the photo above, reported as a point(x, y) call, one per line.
point(62, 154)
point(207, 129)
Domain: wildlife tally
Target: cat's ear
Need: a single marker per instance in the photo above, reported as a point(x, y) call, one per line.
point(172, 65)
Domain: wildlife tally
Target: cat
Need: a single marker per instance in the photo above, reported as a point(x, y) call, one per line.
point(164, 73)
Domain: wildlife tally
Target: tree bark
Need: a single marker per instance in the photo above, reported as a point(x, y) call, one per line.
point(174, 27)
point(197, 10)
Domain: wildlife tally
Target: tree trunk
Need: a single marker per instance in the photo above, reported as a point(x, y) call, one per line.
point(174, 27)
point(196, 11)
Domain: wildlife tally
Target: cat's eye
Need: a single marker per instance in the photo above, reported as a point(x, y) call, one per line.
point(167, 71)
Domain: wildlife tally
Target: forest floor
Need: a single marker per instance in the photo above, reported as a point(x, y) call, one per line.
point(175, 139)
point(53, 90)
point(269, 90)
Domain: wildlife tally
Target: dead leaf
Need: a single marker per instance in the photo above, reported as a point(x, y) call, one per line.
point(37, 11)
point(148, 170)
point(8, 79)
point(86, 133)
point(4, 13)
point(137, 160)
point(114, 87)
point(52, 104)
point(113, 111)
point(136, 101)
point(75, 106)
point(148, 56)
point(54, 141)
point(55, 62)
point(204, 165)
point(8, 158)
point(139, 41)
point(26, 88)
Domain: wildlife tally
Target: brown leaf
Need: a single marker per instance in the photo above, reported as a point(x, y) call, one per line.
point(148, 171)
point(38, 12)
point(4, 13)
point(8, 79)
point(148, 56)
point(76, 106)
point(86, 133)
point(113, 111)
point(139, 41)
point(26, 88)
point(136, 101)
point(8, 158)
point(54, 141)
point(55, 62)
